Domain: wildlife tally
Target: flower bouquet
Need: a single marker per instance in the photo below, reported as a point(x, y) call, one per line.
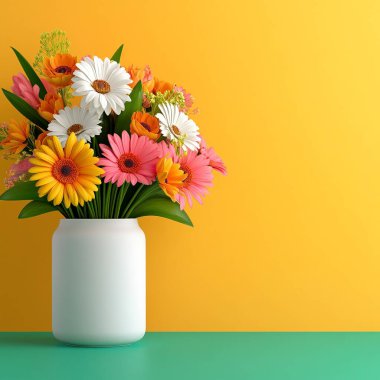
point(100, 141)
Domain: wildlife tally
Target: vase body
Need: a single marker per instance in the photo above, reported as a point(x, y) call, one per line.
point(99, 296)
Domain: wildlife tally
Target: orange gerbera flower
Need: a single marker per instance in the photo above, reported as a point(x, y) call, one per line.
point(41, 139)
point(17, 136)
point(51, 104)
point(170, 177)
point(143, 74)
point(161, 86)
point(59, 69)
point(144, 124)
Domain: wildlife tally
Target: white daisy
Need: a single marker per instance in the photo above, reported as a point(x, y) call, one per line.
point(83, 122)
point(103, 84)
point(177, 127)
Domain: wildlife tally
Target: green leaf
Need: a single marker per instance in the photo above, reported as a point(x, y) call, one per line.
point(124, 119)
point(30, 73)
point(152, 191)
point(35, 208)
point(21, 191)
point(117, 55)
point(25, 109)
point(161, 206)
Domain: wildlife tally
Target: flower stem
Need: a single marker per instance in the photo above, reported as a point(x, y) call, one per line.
point(61, 91)
point(91, 210)
point(70, 213)
point(128, 209)
point(123, 190)
point(81, 214)
point(113, 197)
point(98, 202)
point(108, 200)
point(62, 210)
point(103, 203)
point(41, 129)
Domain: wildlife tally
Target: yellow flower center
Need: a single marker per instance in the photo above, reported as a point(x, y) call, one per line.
point(74, 128)
point(101, 86)
point(65, 171)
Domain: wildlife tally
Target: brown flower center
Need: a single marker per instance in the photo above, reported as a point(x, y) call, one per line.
point(101, 86)
point(146, 126)
point(63, 70)
point(65, 171)
point(176, 130)
point(74, 128)
point(128, 163)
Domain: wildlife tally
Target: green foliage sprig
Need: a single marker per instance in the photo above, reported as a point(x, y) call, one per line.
point(172, 96)
point(51, 43)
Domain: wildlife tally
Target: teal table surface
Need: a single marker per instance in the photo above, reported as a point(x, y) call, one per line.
point(183, 356)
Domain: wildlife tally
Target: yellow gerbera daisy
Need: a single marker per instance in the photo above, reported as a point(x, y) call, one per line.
point(66, 174)
point(170, 177)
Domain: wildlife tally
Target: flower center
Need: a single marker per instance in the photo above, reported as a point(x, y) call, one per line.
point(128, 163)
point(101, 86)
point(146, 126)
point(187, 171)
point(176, 130)
point(74, 128)
point(65, 171)
point(63, 70)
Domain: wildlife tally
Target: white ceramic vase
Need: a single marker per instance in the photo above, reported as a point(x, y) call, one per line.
point(99, 293)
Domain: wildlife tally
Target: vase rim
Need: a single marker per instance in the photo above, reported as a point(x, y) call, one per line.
point(98, 220)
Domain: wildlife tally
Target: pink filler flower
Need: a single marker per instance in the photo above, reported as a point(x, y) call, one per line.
point(17, 171)
point(24, 89)
point(129, 159)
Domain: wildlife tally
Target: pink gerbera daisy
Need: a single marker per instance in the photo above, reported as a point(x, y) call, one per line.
point(214, 160)
point(129, 159)
point(199, 177)
point(167, 150)
point(197, 168)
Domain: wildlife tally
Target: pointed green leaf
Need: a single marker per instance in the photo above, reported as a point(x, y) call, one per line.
point(117, 55)
point(30, 73)
point(124, 119)
point(151, 191)
point(161, 206)
point(21, 191)
point(35, 208)
point(25, 109)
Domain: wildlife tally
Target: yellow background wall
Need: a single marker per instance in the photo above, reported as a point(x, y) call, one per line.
point(289, 93)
